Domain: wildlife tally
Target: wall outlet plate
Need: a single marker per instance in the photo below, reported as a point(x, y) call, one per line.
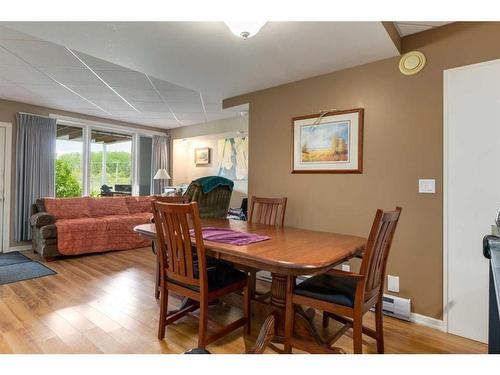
point(393, 283)
point(346, 267)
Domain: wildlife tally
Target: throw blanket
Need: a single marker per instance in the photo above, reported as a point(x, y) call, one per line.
point(209, 183)
point(230, 236)
point(93, 235)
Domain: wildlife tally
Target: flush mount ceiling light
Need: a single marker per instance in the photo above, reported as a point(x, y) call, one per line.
point(244, 29)
point(412, 63)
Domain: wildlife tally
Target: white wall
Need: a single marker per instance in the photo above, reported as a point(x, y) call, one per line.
point(184, 142)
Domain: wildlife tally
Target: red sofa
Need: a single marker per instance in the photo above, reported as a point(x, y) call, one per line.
point(90, 225)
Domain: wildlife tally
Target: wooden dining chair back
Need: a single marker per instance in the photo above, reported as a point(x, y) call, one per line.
point(175, 246)
point(182, 199)
point(376, 253)
point(347, 296)
point(183, 266)
point(179, 199)
point(269, 211)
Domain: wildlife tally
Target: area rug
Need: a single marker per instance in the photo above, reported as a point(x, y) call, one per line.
point(17, 267)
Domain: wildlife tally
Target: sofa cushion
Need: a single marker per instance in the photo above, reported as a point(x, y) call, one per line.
point(68, 208)
point(106, 206)
point(138, 204)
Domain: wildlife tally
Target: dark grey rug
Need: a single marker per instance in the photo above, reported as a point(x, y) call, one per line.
point(17, 267)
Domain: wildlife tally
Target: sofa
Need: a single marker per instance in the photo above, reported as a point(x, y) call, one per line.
point(73, 226)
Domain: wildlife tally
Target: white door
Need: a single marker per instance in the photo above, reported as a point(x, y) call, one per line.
point(2, 184)
point(472, 192)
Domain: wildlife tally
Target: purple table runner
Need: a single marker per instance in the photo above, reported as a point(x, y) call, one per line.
point(230, 236)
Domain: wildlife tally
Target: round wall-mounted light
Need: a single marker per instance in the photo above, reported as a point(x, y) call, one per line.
point(244, 29)
point(412, 63)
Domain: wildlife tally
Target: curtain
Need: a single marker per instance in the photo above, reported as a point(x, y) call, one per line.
point(35, 168)
point(159, 160)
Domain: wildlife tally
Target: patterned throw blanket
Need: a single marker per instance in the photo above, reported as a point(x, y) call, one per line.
point(90, 225)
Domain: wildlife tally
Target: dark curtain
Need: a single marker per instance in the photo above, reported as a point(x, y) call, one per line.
point(159, 160)
point(35, 168)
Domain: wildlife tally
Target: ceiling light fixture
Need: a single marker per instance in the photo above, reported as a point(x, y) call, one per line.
point(245, 29)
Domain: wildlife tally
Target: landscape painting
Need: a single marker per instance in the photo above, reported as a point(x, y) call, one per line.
point(328, 142)
point(325, 143)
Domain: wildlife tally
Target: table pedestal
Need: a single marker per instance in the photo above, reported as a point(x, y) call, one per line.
point(305, 335)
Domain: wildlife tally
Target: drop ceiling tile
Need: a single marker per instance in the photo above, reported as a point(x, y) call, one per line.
point(42, 54)
point(121, 79)
point(73, 76)
point(51, 91)
point(181, 96)
point(95, 92)
point(200, 117)
point(25, 74)
point(213, 107)
point(8, 59)
point(161, 85)
point(112, 105)
point(7, 33)
point(151, 106)
point(139, 95)
point(97, 64)
point(186, 107)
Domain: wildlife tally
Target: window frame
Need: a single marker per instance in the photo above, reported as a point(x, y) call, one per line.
point(87, 127)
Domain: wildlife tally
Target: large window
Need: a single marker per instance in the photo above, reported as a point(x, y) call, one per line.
point(110, 163)
point(69, 161)
point(92, 159)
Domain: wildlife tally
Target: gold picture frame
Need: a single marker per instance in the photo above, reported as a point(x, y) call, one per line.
point(331, 142)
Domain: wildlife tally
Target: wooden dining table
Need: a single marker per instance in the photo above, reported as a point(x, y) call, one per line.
point(290, 252)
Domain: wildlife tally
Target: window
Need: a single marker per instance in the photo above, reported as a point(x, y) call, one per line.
point(91, 155)
point(69, 161)
point(110, 163)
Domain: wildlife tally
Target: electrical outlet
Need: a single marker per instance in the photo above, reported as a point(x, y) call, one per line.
point(393, 283)
point(346, 267)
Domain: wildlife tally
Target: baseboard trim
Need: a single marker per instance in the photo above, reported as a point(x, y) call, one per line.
point(19, 248)
point(427, 321)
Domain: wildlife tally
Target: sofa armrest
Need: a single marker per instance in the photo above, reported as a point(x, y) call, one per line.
point(42, 219)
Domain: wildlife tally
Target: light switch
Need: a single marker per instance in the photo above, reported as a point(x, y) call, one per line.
point(427, 186)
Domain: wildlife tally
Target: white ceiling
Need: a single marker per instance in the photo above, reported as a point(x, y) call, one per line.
point(413, 27)
point(108, 69)
point(43, 73)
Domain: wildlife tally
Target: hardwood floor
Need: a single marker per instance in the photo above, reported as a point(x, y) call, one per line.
point(104, 303)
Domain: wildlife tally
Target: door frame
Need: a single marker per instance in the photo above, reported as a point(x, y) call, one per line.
point(446, 125)
point(8, 171)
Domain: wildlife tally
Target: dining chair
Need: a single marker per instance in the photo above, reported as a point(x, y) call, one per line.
point(190, 274)
point(168, 199)
point(347, 296)
point(269, 211)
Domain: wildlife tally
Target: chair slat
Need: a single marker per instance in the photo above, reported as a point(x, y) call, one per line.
point(269, 211)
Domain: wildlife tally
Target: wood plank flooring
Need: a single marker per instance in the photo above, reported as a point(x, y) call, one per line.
point(104, 303)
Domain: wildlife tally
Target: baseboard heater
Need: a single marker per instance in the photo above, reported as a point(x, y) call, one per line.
point(396, 307)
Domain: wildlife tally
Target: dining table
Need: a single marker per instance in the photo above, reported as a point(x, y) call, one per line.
point(288, 253)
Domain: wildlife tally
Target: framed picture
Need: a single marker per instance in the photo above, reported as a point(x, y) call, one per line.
point(202, 156)
point(332, 143)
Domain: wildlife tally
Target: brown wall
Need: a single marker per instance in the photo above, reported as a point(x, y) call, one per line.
point(403, 141)
point(8, 110)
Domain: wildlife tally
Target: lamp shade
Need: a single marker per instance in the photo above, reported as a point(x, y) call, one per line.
point(162, 174)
